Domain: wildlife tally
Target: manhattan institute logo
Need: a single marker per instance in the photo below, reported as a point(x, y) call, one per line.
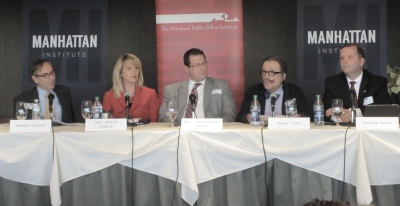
point(64, 42)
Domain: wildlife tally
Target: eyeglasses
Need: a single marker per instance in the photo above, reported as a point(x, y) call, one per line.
point(270, 73)
point(47, 75)
point(199, 64)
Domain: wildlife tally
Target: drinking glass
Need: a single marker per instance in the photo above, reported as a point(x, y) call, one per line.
point(86, 109)
point(172, 111)
point(337, 110)
point(20, 110)
point(291, 107)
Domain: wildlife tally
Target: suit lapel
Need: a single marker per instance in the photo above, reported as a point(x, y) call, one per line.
point(344, 92)
point(183, 98)
point(208, 87)
point(362, 90)
point(286, 96)
point(136, 99)
point(261, 97)
point(59, 96)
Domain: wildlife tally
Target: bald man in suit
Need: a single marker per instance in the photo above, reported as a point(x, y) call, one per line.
point(214, 98)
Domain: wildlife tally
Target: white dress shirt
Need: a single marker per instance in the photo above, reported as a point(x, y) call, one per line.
point(278, 103)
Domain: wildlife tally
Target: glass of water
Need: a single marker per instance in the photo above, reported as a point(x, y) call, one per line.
point(20, 110)
point(86, 109)
point(337, 110)
point(172, 111)
point(291, 107)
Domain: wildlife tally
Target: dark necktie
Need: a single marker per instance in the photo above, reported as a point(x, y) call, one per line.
point(267, 94)
point(355, 94)
point(189, 107)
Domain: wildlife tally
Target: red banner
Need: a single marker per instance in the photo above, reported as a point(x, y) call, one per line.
point(214, 26)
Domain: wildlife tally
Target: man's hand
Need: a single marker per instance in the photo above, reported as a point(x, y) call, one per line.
point(248, 117)
point(328, 112)
point(346, 116)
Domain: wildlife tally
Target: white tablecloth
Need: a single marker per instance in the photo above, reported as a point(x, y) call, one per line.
point(372, 157)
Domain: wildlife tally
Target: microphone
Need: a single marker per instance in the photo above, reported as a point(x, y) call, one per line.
point(353, 107)
point(127, 97)
point(192, 99)
point(51, 98)
point(273, 101)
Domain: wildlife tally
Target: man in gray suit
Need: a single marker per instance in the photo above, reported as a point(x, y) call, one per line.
point(213, 97)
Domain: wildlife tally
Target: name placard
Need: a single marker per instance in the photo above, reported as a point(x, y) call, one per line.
point(289, 123)
point(377, 123)
point(30, 125)
point(202, 124)
point(96, 125)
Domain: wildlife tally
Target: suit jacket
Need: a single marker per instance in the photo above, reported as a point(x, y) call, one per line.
point(336, 87)
point(215, 105)
point(290, 91)
point(63, 94)
point(145, 104)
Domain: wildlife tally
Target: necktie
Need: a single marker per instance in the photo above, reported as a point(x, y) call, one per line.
point(47, 113)
point(355, 94)
point(267, 94)
point(189, 108)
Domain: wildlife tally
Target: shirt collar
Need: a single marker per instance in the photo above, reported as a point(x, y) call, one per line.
point(191, 83)
point(279, 91)
point(357, 80)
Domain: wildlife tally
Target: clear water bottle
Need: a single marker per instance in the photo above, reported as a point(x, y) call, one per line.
point(318, 111)
point(255, 109)
point(36, 109)
point(97, 109)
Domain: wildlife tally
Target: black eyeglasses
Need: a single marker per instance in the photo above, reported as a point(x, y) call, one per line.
point(47, 75)
point(199, 64)
point(270, 73)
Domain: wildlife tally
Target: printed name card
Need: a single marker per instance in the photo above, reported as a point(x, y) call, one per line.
point(289, 123)
point(30, 125)
point(202, 124)
point(96, 125)
point(377, 123)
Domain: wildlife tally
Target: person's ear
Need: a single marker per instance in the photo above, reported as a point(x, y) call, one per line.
point(35, 79)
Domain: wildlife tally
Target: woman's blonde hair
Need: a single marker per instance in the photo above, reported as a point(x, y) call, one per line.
point(117, 78)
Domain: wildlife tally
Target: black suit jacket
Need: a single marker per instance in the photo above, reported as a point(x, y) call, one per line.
point(290, 91)
point(64, 96)
point(336, 87)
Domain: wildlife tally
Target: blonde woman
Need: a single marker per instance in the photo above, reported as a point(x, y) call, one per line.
point(128, 79)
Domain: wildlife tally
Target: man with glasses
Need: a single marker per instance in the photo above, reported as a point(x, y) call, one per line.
point(44, 76)
point(273, 73)
point(213, 97)
point(368, 88)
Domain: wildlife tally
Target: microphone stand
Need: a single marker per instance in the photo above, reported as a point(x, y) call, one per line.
point(273, 110)
point(193, 110)
point(352, 109)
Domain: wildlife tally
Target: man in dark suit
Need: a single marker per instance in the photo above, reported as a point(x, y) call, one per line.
point(213, 96)
point(273, 72)
point(44, 76)
point(368, 88)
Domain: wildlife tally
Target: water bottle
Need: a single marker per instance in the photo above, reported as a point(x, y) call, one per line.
point(97, 109)
point(318, 111)
point(36, 109)
point(255, 109)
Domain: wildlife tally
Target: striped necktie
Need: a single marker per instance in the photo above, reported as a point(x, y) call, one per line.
point(189, 107)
